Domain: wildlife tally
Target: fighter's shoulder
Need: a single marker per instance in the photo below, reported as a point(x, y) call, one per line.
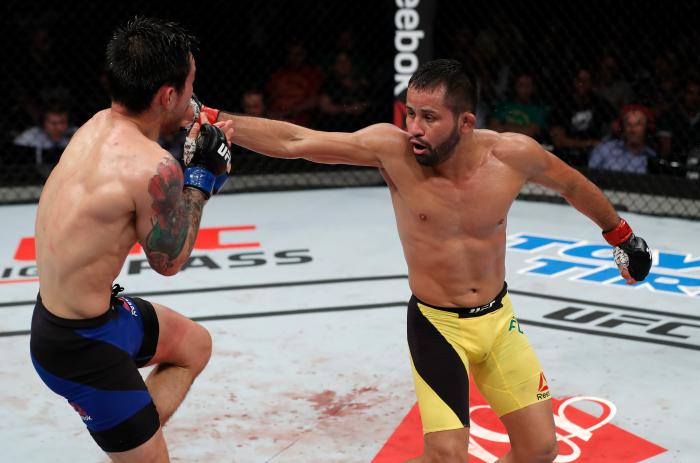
point(133, 145)
point(154, 172)
point(384, 137)
point(140, 157)
point(92, 126)
point(152, 158)
point(508, 146)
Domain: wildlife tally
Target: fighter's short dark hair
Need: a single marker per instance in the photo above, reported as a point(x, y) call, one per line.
point(461, 90)
point(143, 55)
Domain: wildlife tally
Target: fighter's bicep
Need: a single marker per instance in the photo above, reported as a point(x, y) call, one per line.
point(370, 146)
point(338, 148)
point(553, 173)
point(527, 157)
point(163, 221)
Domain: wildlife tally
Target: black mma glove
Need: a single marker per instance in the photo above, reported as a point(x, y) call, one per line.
point(630, 251)
point(206, 158)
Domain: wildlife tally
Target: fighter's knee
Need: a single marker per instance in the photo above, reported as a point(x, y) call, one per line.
point(201, 347)
point(542, 452)
point(548, 452)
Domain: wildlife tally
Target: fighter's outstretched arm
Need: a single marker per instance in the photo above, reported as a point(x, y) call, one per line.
point(284, 140)
point(280, 139)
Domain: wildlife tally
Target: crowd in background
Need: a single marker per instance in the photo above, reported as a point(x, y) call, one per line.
point(605, 121)
point(610, 108)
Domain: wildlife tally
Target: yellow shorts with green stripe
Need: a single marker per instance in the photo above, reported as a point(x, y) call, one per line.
point(448, 344)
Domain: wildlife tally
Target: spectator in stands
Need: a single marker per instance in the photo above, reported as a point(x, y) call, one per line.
point(346, 42)
point(679, 129)
point(658, 87)
point(521, 114)
point(631, 152)
point(38, 81)
point(580, 122)
point(344, 101)
point(293, 89)
point(495, 45)
point(665, 82)
point(253, 103)
point(465, 51)
point(611, 85)
point(48, 140)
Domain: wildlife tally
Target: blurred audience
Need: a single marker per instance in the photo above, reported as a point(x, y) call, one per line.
point(656, 83)
point(293, 89)
point(520, 113)
point(344, 101)
point(679, 131)
point(630, 153)
point(253, 103)
point(48, 140)
point(611, 85)
point(580, 122)
point(465, 51)
point(346, 42)
point(38, 82)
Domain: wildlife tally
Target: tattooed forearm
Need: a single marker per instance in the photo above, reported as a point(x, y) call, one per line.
point(175, 220)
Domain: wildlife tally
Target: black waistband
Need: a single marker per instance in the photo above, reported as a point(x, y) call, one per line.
point(41, 309)
point(467, 312)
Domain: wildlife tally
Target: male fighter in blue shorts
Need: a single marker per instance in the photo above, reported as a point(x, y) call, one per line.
point(113, 187)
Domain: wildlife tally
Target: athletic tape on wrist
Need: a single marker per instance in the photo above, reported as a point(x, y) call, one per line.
point(212, 114)
point(619, 234)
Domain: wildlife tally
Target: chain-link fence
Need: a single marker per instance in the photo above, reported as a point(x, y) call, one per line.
point(610, 87)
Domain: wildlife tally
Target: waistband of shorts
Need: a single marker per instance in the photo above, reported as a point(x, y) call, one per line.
point(41, 309)
point(469, 312)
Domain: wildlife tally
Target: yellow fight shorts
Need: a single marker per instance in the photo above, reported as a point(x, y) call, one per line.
point(449, 343)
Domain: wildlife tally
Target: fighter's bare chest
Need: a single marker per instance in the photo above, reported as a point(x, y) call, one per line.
point(476, 206)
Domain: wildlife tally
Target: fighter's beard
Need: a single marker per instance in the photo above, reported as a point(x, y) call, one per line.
point(440, 153)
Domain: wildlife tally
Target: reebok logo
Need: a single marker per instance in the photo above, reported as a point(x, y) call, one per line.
point(407, 38)
point(543, 388)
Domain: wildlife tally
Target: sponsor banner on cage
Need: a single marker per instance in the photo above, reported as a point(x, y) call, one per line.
point(413, 45)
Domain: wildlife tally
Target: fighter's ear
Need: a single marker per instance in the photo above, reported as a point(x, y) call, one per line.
point(467, 121)
point(166, 97)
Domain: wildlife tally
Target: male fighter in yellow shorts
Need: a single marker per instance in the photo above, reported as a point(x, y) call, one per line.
point(452, 186)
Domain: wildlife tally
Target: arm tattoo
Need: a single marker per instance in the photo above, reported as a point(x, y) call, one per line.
point(176, 216)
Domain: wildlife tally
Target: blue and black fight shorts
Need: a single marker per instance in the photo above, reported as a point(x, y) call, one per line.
point(94, 363)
